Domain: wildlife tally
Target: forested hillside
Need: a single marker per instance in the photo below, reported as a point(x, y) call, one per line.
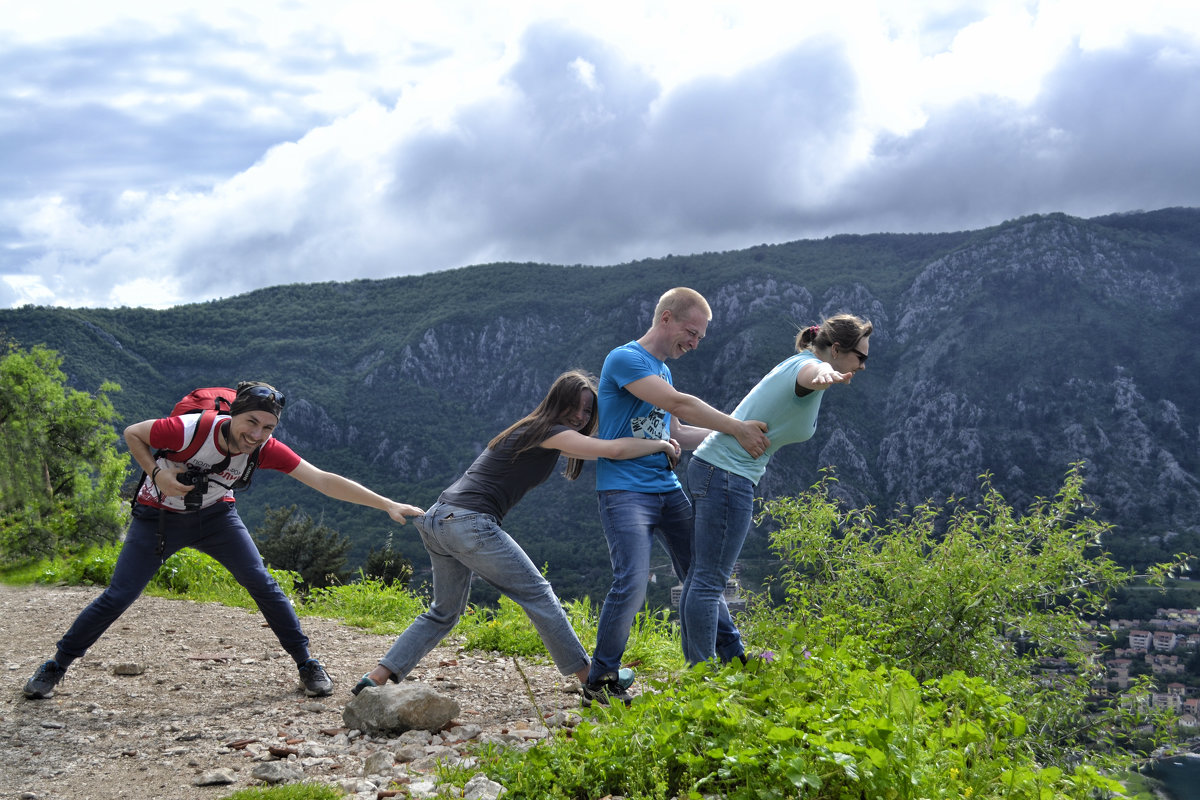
point(1015, 350)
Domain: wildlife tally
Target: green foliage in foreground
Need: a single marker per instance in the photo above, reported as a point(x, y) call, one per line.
point(988, 592)
point(832, 722)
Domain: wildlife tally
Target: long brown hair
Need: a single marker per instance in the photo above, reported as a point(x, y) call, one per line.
point(561, 400)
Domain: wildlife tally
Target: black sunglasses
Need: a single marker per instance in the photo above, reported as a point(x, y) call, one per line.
point(862, 357)
point(274, 395)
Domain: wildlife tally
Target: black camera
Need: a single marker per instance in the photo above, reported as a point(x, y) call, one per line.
point(199, 483)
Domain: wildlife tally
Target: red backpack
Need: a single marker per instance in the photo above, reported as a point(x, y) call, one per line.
point(209, 402)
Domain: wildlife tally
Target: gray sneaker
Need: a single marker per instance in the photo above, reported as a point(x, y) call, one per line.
point(42, 684)
point(315, 679)
point(605, 690)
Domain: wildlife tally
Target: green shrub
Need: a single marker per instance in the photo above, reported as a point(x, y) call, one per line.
point(980, 590)
point(830, 722)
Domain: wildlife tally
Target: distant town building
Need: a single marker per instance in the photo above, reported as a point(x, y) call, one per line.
point(1140, 641)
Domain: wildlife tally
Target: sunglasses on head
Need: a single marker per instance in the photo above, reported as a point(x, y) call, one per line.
point(274, 395)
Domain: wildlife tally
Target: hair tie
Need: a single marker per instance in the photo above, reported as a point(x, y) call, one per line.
point(814, 329)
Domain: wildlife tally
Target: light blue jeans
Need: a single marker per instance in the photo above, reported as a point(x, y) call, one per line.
point(460, 543)
point(631, 521)
point(724, 510)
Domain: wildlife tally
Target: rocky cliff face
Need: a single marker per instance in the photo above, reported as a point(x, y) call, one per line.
point(1016, 354)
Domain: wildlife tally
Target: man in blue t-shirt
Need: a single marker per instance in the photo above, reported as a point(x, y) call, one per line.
point(641, 497)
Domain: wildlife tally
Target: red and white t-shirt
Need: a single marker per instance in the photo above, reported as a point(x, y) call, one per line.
point(176, 433)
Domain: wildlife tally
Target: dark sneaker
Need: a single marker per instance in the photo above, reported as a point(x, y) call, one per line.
point(42, 684)
point(315, 679)
point(605, 690)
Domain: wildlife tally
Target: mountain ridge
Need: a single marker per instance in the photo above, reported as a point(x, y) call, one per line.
point(1013, 351)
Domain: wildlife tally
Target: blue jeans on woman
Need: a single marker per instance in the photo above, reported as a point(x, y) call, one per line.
point(215, 530)
point(724, 509)
point(631, 521)
point(461, 542)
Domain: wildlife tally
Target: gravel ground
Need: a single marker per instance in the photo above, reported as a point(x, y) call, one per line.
point(212, 677)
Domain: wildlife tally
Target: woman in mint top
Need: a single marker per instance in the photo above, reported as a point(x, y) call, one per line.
point(722, 476)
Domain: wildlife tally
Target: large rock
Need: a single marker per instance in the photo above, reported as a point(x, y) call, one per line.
point(395, 709)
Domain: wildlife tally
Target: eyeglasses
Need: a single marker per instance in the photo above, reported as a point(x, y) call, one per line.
point(274, 395)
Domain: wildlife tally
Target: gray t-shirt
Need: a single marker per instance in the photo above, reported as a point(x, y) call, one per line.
point(499, 477)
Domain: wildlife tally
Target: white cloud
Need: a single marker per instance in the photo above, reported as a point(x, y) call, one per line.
point(156, 153)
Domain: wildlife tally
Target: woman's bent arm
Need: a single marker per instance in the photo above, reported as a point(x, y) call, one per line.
point(575, 445)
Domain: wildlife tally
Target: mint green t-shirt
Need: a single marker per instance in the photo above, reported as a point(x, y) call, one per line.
point(789, 419)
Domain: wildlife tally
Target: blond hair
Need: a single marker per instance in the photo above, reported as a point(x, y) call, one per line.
point(679, 301)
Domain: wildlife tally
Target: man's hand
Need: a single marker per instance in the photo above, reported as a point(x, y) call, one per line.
point(400, 512)
point(166, 481)
point(752, 436)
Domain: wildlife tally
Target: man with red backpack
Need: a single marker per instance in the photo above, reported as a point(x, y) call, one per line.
point(192, 464)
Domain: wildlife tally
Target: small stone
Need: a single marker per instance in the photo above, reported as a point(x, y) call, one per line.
point(379, 763)
point(128, 668)
point(481, 787)
point(216, 777)
point(276, 772)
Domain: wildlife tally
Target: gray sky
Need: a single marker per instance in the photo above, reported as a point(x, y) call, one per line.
point(159, 153)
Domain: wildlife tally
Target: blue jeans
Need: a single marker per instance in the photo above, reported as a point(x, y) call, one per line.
point(631, 521)
point(461, 542)
point(724, 509)
point(217, 531)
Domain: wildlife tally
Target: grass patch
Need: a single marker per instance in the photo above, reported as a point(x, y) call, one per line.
point(293, 791)
point(367, 603)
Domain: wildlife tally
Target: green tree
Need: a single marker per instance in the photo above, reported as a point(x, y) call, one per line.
point(387, 566)
point(291, 540)
point(60, 472)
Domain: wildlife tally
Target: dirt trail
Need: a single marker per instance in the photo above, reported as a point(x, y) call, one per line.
point(213, 676)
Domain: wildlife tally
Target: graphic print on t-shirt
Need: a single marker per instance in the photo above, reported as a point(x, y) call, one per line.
point(652, 426)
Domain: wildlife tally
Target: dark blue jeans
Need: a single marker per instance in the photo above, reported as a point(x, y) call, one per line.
point(631, 521)
point(217, 531)
point(724, 509)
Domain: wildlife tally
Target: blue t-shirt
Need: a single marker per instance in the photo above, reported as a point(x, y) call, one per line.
point(624, 414)
point(789, 419)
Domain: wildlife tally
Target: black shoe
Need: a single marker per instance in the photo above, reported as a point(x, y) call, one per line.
point(605, 690)
point(42, 684)
point(316, 681)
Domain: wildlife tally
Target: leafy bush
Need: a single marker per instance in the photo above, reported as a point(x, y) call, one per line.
point(826, 723)
point(988, 593)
